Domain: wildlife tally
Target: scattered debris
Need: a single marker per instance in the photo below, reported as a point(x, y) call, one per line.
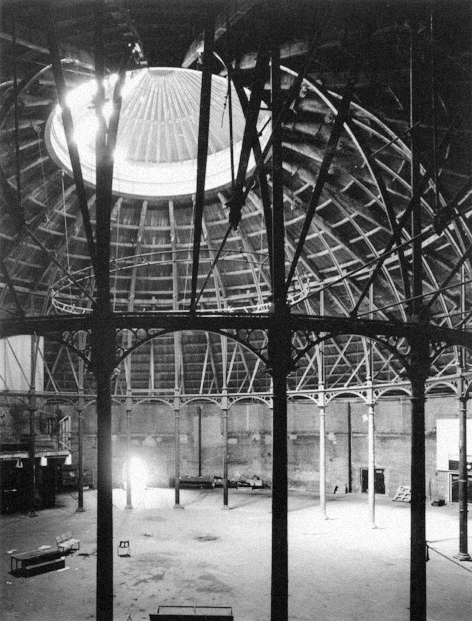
point(403, 494)
point(244, 481)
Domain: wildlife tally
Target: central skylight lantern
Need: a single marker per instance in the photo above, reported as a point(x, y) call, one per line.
point(156, 152)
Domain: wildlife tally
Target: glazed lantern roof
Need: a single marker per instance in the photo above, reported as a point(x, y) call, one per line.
point(156, 152)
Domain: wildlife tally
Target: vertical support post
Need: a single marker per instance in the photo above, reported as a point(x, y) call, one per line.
point(177, 504)
point(463, 554)
point(80, 455)
point(371, 450)
point(322, 412)
point(178, 371)
point(103, 335)
point(224, 406)
point(32, 455)
point(418, 374)
point(279, 352)
point(129, 483)
point(349, 449)
point(322, 416)
point(80, 426)
point(199, 411)
point(32, 406)
point(419, 355)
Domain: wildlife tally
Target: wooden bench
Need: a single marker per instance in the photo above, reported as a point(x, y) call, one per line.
point(36, 562)
point(192, 613)
point(66, 543)
point(40, 568)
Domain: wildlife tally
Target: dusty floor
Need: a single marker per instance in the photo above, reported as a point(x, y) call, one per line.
point(340, 569)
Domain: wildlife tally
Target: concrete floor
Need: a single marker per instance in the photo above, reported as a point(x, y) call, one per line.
point(340, 569)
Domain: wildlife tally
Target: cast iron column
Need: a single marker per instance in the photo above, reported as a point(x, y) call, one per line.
point(349, 449)
point(199, 410)
point(419, 352)
point(322, 412)
point(371, 449)
point(32, 406)
point(103, 336)
point(80, 426)
point(32, 453)
point(279, 352)
point(129, 409)
point(80, 456)
point(177, 450)
point(224, 406)
point(418, 374)
point(463, 554)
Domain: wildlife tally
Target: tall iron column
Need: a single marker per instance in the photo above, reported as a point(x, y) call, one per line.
point(224, 407)
point(80, 451)
point(32, 454)
point(103, 331)
point(322, 415)
point(371, 450)
point(463, 554)
point(177, 406)
point(322, 469)
point(32, 406)
point(419, 359)
point(279, 352)
point(418, 374)
point(80, 426)
point(129, 483)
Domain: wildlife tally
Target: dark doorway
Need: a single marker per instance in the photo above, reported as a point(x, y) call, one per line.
point(455, 489)
point(379, 480)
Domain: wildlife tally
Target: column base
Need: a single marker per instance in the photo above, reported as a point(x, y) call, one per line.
point(128, 506)
point(463, 556)
point(80, 510)
point(225, 508)
point(177, 506)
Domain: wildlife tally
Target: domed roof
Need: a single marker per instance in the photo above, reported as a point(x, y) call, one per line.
point(344, 269)
point(156, 153)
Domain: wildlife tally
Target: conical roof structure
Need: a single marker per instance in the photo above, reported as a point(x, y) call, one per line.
point(362, 207)
point(156, 152)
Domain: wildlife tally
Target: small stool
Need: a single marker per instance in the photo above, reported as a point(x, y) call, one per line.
point(123, 549)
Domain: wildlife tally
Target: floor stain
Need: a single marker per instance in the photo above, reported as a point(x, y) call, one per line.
point(152, 578)
point(212, 584)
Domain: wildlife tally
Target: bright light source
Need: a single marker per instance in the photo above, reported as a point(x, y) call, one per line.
point(108, 110)
point(158, 130)
point(138, 474)
point(113, 79)
point(119, 154)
